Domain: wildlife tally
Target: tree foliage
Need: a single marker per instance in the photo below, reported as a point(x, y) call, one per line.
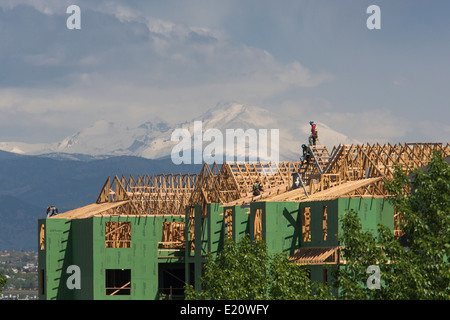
point(416, 266)
point(423, 200)
point(360, 250)
point(245, 271)
point(2, 282)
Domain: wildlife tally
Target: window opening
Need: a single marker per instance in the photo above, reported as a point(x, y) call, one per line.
point(118, 282)
point(118, 234)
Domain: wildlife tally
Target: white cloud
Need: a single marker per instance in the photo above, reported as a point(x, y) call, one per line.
point(297, 75)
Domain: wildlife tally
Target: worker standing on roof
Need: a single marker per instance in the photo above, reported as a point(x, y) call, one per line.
point(314, 134)
point(257, 188)
point(51, 211)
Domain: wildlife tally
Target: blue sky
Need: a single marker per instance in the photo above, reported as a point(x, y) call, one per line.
point(134, 60)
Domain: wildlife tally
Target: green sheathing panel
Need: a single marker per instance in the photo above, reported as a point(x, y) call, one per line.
point(371, 211)
point(241, 226)
point(282, 226)
point(82, 256)
point(316, 223)
point(316, 273)
point(142, 258)
point(55, 259)
point(211, 237)
point(216, 227)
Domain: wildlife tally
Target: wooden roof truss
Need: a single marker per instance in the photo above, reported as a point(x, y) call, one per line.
point(149, 195)
point(232, 183)
point(346, 163)
point(235, 180)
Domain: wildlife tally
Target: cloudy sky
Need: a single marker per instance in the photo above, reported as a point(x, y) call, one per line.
point(133, 61)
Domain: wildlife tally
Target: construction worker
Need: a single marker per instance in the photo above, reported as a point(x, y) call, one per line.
point(314, 134)
point(306, 154)
point(51, 211)
point(257, 188)
point(295, 181)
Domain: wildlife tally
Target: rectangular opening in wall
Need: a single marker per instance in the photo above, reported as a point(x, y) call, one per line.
point(118, 235)
point(398, 220)
point(173, 235)
point(118, 282)
point(324, 223)
point(229, 222)
point(192, 274)
point(325, 276)
point(42, 237)
point(258, 224)
point(306, 224)
point(171, 280)
point(42, 281)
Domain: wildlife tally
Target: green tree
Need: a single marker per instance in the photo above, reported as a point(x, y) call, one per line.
point(238, 272)
point(289, 281)
point(2, 282)
point(245, 271)
point(423, 200)
point(415, 268)
point(360, 250)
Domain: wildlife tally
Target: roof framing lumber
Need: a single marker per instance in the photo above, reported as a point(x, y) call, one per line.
point(368, 164)
point(150, 195)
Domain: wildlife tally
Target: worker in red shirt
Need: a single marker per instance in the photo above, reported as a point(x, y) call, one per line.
point(314, 135)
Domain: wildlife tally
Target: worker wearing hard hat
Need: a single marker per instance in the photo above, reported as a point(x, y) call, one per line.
point(314, 134)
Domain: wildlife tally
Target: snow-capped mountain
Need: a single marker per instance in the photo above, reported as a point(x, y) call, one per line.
point(152, 139)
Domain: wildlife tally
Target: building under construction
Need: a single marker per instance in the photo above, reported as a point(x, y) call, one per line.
point(146, 236)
